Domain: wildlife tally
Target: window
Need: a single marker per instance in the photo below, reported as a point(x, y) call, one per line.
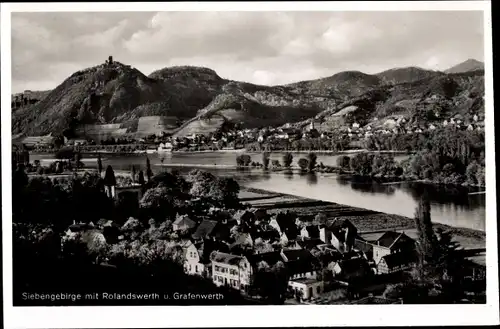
point(196, 267)
point(189, 267)
point(318, 289)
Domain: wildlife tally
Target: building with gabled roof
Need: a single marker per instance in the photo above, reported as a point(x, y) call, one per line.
point(205, 229)
point(183, 223)
point(391, 242)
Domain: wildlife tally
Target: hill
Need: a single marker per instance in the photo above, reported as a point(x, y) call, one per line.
point(466, 66)
point(406, 75)
point(110, 99)
point(424, 101)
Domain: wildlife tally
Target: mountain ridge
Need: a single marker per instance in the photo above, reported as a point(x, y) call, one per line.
point(117, 93)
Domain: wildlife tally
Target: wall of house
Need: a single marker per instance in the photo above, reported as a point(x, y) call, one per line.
point(192, 263)
point(379, 252)
point(309, 290)
point(246, 273)
point(224, 274)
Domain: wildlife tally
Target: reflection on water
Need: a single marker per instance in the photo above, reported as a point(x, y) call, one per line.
point(312, 178)
point(450, 205)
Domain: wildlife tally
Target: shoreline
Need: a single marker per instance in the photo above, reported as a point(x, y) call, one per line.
point(408, 223)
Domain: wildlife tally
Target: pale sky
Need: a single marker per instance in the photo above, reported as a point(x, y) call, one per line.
point(259, 47)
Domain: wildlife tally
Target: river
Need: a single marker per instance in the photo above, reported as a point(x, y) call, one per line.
point(453, 206)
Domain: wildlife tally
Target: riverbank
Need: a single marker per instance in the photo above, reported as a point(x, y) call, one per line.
point(367, 221)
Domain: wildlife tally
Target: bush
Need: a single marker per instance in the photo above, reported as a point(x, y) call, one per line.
point(343, 162)
point(287, 160)
point(303, 164)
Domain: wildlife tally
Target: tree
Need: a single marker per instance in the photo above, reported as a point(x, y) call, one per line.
point(149, 172)
point(276, 164)
point(265, 160)
point(311, 165)
point(78, 158)
point(99, 163)
point(287, 160)
point(471, 173)
point(66, 153)
point(243, 160)
point(225, 192)
point(133, 174)
point(141, 178)
point(109, 177)
point(201, 183)
point(303, 164)
point(343, 162)
point(426, 245)
point(158, 203)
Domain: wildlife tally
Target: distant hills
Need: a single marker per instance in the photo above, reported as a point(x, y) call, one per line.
point(198, 100)
point(467, 66)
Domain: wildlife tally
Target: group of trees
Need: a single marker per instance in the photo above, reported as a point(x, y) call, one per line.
point(336, 142)
point(441, 266)
point(43, 209)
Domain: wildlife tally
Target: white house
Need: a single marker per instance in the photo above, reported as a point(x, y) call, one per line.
point(231, 270)
point(192, 264)
point(307, 288)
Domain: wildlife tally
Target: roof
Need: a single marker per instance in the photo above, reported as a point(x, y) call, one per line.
point(399, 258)
point(265, 235)
point(390, 238)
point(270, 258)
point(79, 227)
point(204, 229)
point(339, 223)
point(242, 240)
point(206, 247)
point(221, 232)
point(299, 261)
point(375, 300)
point(310, 243)
point(185, 220)
point(306, 281)
point(296, 254)
point(312, 230)
point(287, 225)
point(222, 257)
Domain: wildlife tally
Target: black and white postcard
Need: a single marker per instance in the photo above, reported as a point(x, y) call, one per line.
point(200, 164)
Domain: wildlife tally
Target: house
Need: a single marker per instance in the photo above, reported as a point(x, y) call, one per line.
point(391, 242)
point(309, 244)
point(349, 269)
point(244, 216)
point(343, 234)
point(310, 232)
point(204, 230)
point(299, 262)
point(183, 223)
point(34, 141)
point(193, 263)
point(285, 225)
point(266, 234)
point(396, 262)
point(231, 270)
point(306, 288)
